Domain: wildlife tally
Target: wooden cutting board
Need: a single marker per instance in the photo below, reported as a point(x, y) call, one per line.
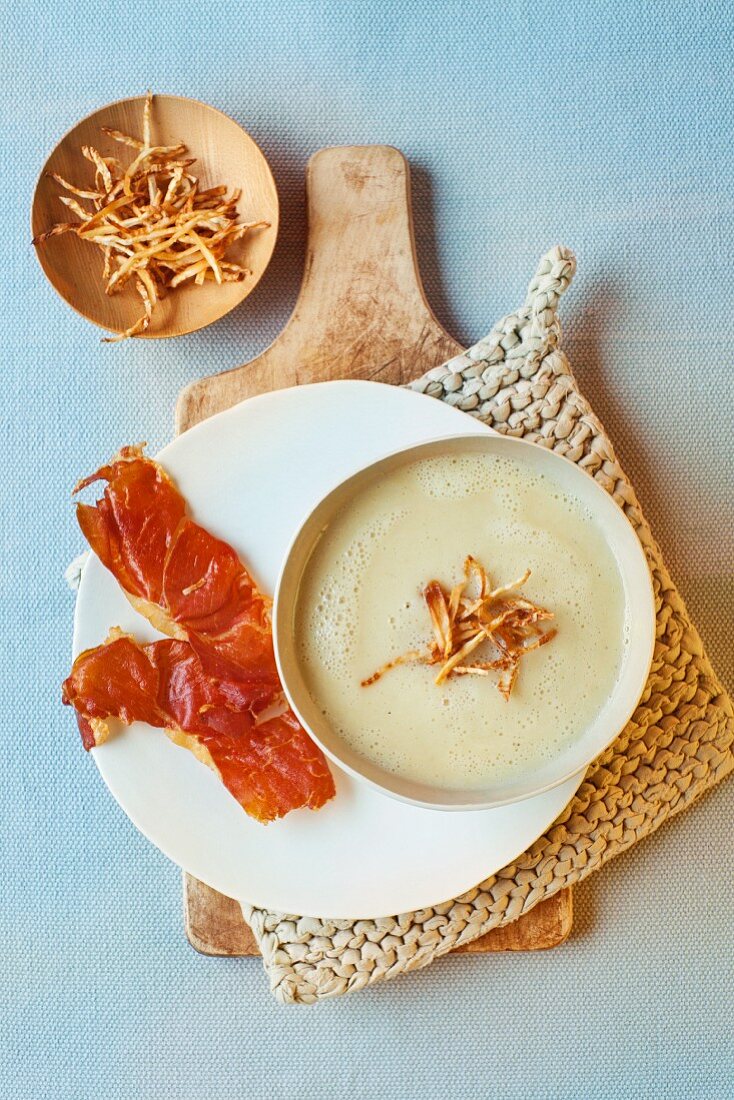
point(361, 313)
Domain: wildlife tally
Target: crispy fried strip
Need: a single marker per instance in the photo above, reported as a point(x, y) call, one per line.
point(481, 668)
point(459, 656)
point(74, 190)
point(124, 139)
point(505, 588)
point(103, 171)
point(507, 682)
point(147, 107)
point(406, 658)
point(436, 603)
point(207, 254)
point(75, 206)
point(189, 272)
point(454, 600)
point(540, 641)
point(56, 231)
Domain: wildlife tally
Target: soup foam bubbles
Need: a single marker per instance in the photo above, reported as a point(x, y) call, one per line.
point(360, 604)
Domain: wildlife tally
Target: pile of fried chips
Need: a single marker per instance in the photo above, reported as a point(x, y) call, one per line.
point(154, 224)
point(508, 623)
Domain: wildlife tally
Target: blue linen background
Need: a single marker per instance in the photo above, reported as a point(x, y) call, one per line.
point(605, 126)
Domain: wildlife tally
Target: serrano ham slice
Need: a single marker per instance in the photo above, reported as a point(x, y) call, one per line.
point(184, 580)
point(270, 766)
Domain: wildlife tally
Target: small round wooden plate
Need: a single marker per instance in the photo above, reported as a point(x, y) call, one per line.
point(224, 153)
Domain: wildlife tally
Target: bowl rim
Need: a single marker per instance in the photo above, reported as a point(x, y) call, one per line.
point(275, 224)
point(641, 647)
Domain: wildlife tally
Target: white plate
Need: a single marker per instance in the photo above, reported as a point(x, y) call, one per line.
point(250, 475)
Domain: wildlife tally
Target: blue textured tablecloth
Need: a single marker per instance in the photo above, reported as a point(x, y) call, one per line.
point(607, 126)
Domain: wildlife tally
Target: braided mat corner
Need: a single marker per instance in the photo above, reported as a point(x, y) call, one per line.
point(677, 744)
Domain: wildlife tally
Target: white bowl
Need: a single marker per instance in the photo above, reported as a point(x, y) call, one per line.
point(571, 758)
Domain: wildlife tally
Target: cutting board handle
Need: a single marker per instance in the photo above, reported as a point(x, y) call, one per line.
point(361, 311)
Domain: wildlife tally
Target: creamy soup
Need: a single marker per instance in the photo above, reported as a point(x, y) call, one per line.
point(360, 604)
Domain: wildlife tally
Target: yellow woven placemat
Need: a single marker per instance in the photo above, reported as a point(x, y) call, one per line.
point(678, 743)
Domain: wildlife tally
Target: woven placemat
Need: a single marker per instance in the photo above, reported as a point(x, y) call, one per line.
point(678, 743)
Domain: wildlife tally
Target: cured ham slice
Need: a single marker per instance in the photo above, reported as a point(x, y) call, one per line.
point(132, 527)
point(187, 583)
point(269, 766)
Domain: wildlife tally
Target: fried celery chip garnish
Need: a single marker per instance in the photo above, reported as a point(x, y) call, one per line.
point(504, 623)
point(156, 226)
